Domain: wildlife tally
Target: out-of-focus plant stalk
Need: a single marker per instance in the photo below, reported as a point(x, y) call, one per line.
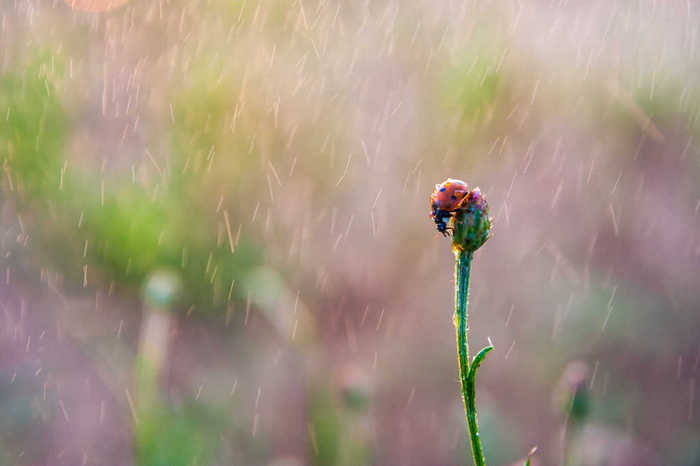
point(572, 394)
point(160, 291)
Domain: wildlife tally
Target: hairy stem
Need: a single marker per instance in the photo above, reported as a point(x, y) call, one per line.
point(467, 377)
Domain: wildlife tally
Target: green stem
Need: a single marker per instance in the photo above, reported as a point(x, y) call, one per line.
point(571, 430)
point(467, 377)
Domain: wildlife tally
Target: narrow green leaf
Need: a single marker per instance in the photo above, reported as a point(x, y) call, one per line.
point(476, 362)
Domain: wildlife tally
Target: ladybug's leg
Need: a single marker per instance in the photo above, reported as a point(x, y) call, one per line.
point(444, 227)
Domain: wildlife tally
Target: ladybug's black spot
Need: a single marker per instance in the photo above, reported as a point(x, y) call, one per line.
point(454, 198)
point(442, 190)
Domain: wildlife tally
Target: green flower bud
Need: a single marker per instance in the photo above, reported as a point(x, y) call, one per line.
point(572, 394)
point(355, 387)
point(471, 223)
point(163, 287)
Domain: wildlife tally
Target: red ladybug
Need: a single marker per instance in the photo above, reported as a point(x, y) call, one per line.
point(445, 199)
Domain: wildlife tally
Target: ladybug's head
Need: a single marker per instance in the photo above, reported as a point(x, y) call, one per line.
point(441, 217)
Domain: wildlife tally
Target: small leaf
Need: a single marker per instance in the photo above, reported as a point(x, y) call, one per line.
point(476, 362)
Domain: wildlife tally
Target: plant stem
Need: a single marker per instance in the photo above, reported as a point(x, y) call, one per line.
point(462, 270)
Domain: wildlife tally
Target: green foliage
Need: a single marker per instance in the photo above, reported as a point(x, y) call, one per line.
point(473, 87)
point(181, 436)
point(202, 130)
point(326, 427)
point(130, 232)
point(339, 434)
point(128, 228)
point(33, 133)
point(136, 235)
point(471, 83)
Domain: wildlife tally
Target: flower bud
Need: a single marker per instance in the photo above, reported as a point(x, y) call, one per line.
point(471, 223)
point(163, 287)
point(572, 394)
point(355, 387)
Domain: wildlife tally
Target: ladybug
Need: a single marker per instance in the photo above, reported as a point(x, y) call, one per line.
point(446, 198)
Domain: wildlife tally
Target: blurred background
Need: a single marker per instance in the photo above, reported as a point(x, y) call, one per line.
point(215, 245)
